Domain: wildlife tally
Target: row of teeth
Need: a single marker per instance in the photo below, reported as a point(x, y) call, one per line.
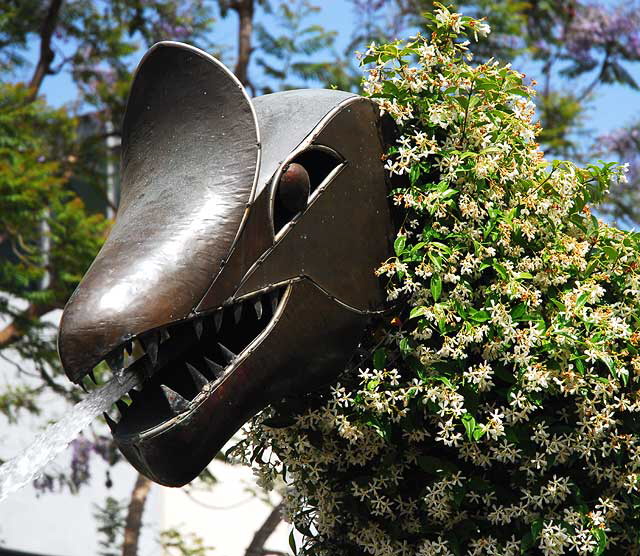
point(149, 344)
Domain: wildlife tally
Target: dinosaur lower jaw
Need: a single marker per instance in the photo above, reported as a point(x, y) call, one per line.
point(186, 363)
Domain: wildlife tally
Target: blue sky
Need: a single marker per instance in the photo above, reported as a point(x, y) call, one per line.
point(613, 106)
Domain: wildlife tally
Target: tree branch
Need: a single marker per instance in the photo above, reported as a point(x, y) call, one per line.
point(245, 9)
point(256, 548)
point(133, 523)
point(13, 331)
point(46, 52)
point(600, 75)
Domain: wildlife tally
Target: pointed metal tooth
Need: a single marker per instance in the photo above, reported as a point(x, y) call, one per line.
point(122, 407)
point(177, 403)
point(164, 335)
point(84, 388)
point(115, 359)
point(148, 368)
point(112, 424)
point(150, 343)
point(216, 369)
point(92, 377)
point(257, 305)
point(198, 326)
point(274, 298)
point(217, 319)
point(237, 312)
point(226, 353)
point(199, 379)
point(128, 345)
point(120, 375)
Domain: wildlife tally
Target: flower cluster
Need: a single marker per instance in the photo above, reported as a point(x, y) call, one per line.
point(498, 409)
point(595, 26)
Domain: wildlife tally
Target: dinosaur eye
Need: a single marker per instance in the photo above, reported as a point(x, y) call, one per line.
point(294, 188)
point(292, 194)
point(299, 179)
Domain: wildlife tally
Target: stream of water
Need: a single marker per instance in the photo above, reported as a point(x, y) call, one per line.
point(28, 465)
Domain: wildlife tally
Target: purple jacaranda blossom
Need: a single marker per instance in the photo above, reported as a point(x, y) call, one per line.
point(594, 27)
point(625, 142)
point(79, 471)
point(81, 449)
point(177, 20)
point(171, 30)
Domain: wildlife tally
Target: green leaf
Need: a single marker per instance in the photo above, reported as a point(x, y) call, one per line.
point(292, 542)
point(441, 246)
point(379, 358)
point(582, 299)
point(436, 260)
point(414, 174)
point(611, 253)
point(624, 377)
point(601, 538)
point(405, 347)
point(479, 316)
point(383, 429)
point(501, 270)
point(526, 543)
point(469, 423)
point(418, 312)
point(519, 310)
point(536, 528)
point(436, 286)
point(610, 363)
point(398, 245)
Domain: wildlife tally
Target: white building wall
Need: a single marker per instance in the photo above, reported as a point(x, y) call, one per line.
point(228, 515)
point(62, 524)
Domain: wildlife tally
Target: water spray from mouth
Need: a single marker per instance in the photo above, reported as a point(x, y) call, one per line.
point(28, 466)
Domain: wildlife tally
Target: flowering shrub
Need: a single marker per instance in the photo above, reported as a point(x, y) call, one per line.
point(496, 410)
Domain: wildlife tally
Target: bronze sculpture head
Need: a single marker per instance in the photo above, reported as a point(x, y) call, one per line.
point(242, 257)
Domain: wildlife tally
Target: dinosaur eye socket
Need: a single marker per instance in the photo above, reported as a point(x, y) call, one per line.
point(299, 179)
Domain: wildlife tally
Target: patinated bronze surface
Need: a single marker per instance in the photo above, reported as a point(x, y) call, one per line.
point(242, 258)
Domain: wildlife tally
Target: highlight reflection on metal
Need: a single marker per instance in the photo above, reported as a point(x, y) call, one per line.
point(242, 258)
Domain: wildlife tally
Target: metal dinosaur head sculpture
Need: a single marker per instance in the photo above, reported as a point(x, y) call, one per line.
point(242, 258)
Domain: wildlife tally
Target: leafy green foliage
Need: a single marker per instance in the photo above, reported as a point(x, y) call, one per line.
point(110, 520)
point(496, 410)
point(284, 55)
point(177, 543)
